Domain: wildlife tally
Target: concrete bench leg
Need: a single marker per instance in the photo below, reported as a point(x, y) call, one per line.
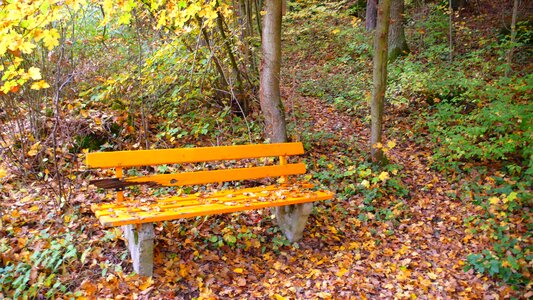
point(292, 219)
point(141, 246)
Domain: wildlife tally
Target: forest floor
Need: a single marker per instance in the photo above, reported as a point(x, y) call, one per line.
point(410, 245)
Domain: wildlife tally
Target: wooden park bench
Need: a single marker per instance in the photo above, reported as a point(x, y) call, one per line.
point(137, 216)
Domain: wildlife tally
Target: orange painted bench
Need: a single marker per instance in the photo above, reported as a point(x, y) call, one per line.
point(137, 216)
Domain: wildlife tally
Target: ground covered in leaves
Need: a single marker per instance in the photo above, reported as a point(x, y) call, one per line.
point(418, 251)
point(402, 231)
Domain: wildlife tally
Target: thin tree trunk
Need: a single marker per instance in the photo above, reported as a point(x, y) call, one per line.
point(397, 43)
point(379, 78)
point(258, 6)
point(450, 33)
point(371, 14)
point(223, 83)
point(270, 96)
point(513, 38)
point(241, 101)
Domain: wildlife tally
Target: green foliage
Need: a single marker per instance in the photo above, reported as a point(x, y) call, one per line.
point(42, 272)
point(475, 113)
point(505, 207)
point(174, 88)
point(496, 131)
point(375, 185)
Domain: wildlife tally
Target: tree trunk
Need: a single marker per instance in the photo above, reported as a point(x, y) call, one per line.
point(513, 38)
point(379, 78)
point(291, 218)
point(371, 14)
point(397, 43)
point(270, 98)
point(450, 31)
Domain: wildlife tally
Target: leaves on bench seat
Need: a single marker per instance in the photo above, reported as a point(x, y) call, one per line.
point(201, 204)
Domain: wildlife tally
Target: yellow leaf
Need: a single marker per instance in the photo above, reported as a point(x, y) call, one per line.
point(51, 38)
point(15, 214)
point(37, 34)
point(391, 144)
point(183, 270)
point(377, 146)
point(356, 21)
point(146, 284)
point(34, 208)
point(279, 297)
point(34, 73)
point(432, 276)
point(383, 176)
point(324, 295)
point(365, 183)
point(26, 47)
point(494, 200)
point(512, 196)
point(192, 9)
point(41, 84)
point(3, 173)
point(333, 229)
point(336, 31)
point(124, 18)
point(162, 19)
point(238, 270)
point(341, 272)
point(208, 13)
point(34, 149)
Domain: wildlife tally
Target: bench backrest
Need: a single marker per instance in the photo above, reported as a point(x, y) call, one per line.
point(138, 158)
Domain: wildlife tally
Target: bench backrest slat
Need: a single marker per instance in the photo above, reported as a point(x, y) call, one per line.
point(203, 177)
point(189, 155)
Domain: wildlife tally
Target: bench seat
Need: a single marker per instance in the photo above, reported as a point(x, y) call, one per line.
point(205, 203)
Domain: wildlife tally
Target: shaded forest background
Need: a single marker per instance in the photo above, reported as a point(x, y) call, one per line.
point(458, 132)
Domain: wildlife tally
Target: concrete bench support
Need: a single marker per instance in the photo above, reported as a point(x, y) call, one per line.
point(141, 245)
point(292, 219)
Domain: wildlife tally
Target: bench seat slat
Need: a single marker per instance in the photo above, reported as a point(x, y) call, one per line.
point(122, 214)
point(208, 194)
point(203, 177)
point(249, 194)
point(139, 158)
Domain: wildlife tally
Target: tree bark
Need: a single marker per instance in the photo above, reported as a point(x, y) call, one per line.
point(379, 78)
point(513, 38)
point(371, 14)
point(291, 218)
point(397, 43)
point(269, 94)
point(450, 31)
